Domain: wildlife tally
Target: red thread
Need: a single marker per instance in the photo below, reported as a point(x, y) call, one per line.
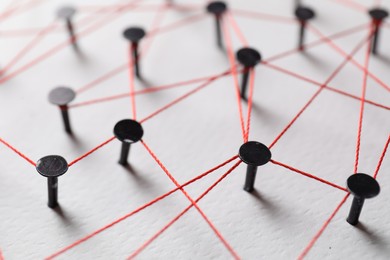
point(381, 158)
point(319, 91)
point(309, 175)
point(61, 46)
point(318, 42)
point(39, 37)
point(208, 82)
point(263, 16)
point(322, 229)
point(237, 30)
point(354, 62)
point(287, 72)
point(18, 152)
point(227, 38)
point(125, 66)
point(103, 78)
point(364, 88)
point(19, 9)
point(148, 90)
point(91, 151)
point(352, 4)
point(170, 176)
point(149, 241)
point(250, 102)
point(78, 242)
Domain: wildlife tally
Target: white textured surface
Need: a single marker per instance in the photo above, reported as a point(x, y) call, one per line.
point(190, 138)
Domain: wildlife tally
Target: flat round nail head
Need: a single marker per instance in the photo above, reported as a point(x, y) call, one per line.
point(128, 131)
point(248, 57)
point(304, 13)
point(378, 14)
point(134, 34)
point(52, 166)
point(254, 153)
point(61, 96)
point(66, 12)
point(217, 7)
point(363, 186)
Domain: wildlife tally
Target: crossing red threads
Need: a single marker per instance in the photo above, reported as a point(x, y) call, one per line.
point(338, 69)
point(92, 151)
point(131, 79)
point(146, 91)
point(212, 226)
point(363, 96)
point(149, 36)
point(98, 25)
point(381, 158)
point(318, 42)
point(227, 39)
point(309, 175)
point(322, 229)
point(181, 98)
point(18, 152)
point(155, 26)
point(19, 9)
point(327, 87)
point(78, 242)
point(250, 102)
point(263, 16)
point(38, 38)
point(354, 62)
point(156, 235)
point(237, 29)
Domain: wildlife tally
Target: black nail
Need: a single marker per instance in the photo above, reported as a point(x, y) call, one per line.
point(249, 58)
point(254, 154)
point(127, 131)
point(62, 96)
point(361, 186)
point(217, 8)
point(377, 16)
point(134, 35)
point(66, 13)
point(52, 167)
point(303, 14)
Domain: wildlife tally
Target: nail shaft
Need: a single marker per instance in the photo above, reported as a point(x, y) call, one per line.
point(134, 47)
point(244, 83)
point(65, 117)
point(125, 150)
point(356, 209)
point(218, 19)
point(250, 178)
point(52, 185)
point(375, 39)
point(302, 30)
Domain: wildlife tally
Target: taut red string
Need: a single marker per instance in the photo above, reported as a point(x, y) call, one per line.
point(91, 151)
point(309, 175)
point(78, 242)
point(363, 96)
point(212, 226)
point(18, 152)
point(338, 69)
point(149, 241)
point(322, 229)
point(381, 158)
